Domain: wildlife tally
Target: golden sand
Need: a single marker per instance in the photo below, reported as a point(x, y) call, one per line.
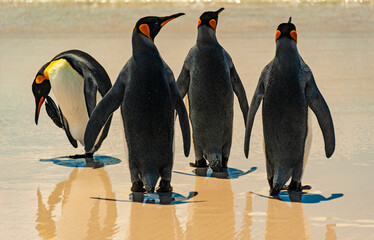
point(40, 199)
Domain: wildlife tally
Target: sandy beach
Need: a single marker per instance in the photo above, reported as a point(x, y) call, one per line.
point(43, 196)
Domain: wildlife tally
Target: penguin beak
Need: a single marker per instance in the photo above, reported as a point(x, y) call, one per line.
point(165, 20)
point(220, 10)
point(39, 103)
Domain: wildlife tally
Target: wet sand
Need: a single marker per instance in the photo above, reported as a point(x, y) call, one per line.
point(49, 198)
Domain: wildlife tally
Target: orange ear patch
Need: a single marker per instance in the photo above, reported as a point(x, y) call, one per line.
point(213, 24)
point(277, 34)
point(198, 22)
point(144, 28)
point(39, 79)
point(293, 34)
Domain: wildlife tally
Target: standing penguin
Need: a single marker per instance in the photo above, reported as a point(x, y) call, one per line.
point(148, 95)
point(287, 88)
point(74, 77)
point(209, 77)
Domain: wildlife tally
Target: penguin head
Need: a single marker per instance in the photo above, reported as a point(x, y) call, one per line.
point(286, 30)
point(40, 88)
point(151, 26)
point(209, 19)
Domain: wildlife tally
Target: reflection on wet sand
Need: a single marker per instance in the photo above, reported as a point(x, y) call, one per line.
point(330, 232)
point(153, 221)
point(286, 221)
point(245, 230)
point(71, 213)
point(215, 212)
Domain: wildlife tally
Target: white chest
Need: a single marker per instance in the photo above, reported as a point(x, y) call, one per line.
point(68, 87)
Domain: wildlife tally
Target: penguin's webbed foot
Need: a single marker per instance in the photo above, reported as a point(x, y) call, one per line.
point(216, 166)
point(138, 186)
point(199, 163)
point(296, 186)
point(164, 186)
point(86, 155)
point(306, 187)
point(224, 162)
point(274, 191)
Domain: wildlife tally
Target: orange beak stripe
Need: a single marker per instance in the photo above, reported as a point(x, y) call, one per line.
point(213, 24)
point(293, 34)
point(277, 34)
point(40, 104)
point(198, 22)
point(144, 28)
point(165, 22)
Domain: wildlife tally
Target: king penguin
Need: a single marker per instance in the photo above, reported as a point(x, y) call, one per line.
point(147, 93)
point(209, 77)
point(74, 77)
point(287, 89)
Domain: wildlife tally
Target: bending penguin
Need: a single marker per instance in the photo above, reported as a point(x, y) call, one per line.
point(210, 79)
point(147, 93)
point(287, 89)
point(74, 77)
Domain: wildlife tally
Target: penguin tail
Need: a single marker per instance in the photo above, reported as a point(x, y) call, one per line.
point(150, 180)
point(215, 161)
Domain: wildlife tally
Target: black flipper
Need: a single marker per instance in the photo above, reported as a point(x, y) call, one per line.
point(67, 131)
point(183, 82)
point(90, 91)
point(53, 112)
point(94, 82)
point(104, 133)
point(318, 105)
point(239, 92)
point(255, 103)
point(103, 111)
point(182, 114)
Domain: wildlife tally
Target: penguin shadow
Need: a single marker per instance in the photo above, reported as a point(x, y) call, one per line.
point(97, 161)
point(229, 173)
point(301, 197)
point(168, 198)
point(67, 212)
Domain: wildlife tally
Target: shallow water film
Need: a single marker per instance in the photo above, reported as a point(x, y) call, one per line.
point(44, 195)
